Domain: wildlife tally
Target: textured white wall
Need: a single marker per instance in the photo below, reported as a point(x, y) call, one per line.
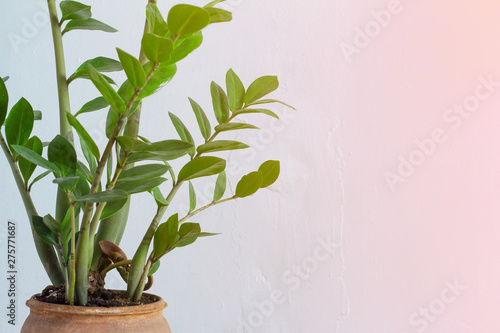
point(415, 254)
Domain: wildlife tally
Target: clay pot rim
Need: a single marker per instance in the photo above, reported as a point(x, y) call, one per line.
point(41, 307)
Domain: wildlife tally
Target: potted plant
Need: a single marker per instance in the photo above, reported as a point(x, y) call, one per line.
point(78, 244)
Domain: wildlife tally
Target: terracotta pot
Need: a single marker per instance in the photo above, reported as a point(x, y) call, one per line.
point(47, 317)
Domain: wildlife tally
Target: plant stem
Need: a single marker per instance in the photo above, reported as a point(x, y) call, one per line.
point(72, 275)
point(46, 252)
point(117, 264)
point(199, 210)
point(144, 279)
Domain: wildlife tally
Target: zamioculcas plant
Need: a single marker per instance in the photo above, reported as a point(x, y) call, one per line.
point(81, 238)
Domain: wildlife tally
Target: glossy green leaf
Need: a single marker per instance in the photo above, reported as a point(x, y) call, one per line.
point(201, 118)
point(112, 207)
point(269, 101)
point(249, 184)
point(270, 171)
point(96, 104)
point(52, 224)
point(106, 90)
point(19, 123)
point(4, 102)
point(185, 47)
point(201, 167)
point(263, 111)
point(144, 172)
point(75, 10)
point(26, 167)
point(89, 24)
point(138, 157)
point(220, 186)
point(159, 197)
point(182, 131)
point(235, 91)
point(84, 135)
point(260, 88)
point(160, 78)
point(154, 268)
point(138, 186)
point(157, 49)
point(192, 197)
point(188, 233)
point(67, 183)
point(62, 153)
point(111, 121)
point(37, 115)
point(208, 234)
point(43, 231)
point(105, 196)
point(186, 19)
point(89, 156)
point(220, 103)
point(133, 69)
point(38, 178)
point(221, 145)
point(101, 64)
point(165, 235)
point(170, 148)
point(213, 3)
point(218, 15)
point(156, 22)
point(33, 157)
point(129, 144)
point(83, 171)
point(233, 126)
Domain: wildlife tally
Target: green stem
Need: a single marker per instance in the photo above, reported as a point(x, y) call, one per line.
point(72, 275)
point(199, 210)
point(113, 266)
point(46, 252)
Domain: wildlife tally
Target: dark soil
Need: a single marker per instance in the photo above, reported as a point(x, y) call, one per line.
point(97, 296)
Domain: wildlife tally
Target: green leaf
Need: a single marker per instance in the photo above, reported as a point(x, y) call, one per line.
point(98, 103)
point(74, 10)
point(186, 19)
point(159, 197)
point(4, 102)
point(185, 47)
point(157, 49)
point(43, 231)
point(156, 22)
point(270, 172)
point(37, 115)
point(133, 69)
point(233, 126)
point(249, 184)
point(213, 3)
point(89, 156)
point(62, 153)
point(154, 268)
point(105, 196)
point(260, 88)
point(67, 183)
point(101, 64)
point(4, 79)
point(201, 167)
point(160, 78)
point(89, 24)
point(52, 224)
point(26, 167)
point(129, 144)
point(220, 103)
point(138, 157)
point(182, 131)
point(269, 101)
point(188, 233)
point(192, 197)
point(221, 145)
point(138, 186)
point(201, 118)
point(218, 15)
point(83, 171)
point(144, 172)
point(220, 186)
point(106, 90)
point(112, 207)
point(169, 148)
point(263, 111)
point(235, 91)
point(38, 178)
point(208, 234)
point(33, 157)
point(84, 135)
point(19, 123)
point(165, 235)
